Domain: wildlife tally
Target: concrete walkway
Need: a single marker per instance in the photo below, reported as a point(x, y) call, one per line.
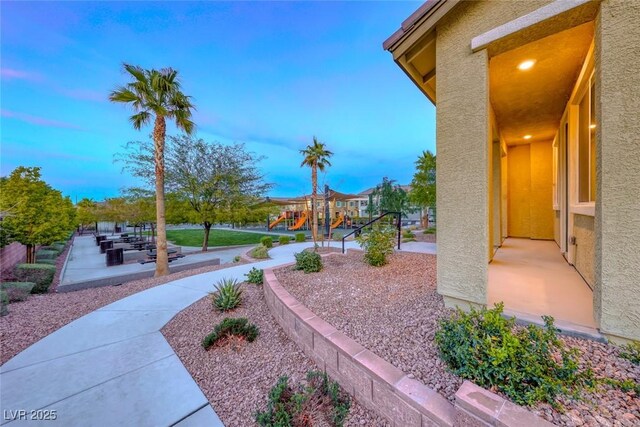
point(113, 366)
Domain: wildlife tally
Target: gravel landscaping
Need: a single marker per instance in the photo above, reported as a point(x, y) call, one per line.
point(394, 310)
point(31, 320)
point(237, 377)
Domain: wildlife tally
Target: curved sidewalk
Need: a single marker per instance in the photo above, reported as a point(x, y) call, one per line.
point(113, 366)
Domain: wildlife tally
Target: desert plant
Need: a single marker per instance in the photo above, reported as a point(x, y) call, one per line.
point(4, 303)
point(529, 365)
point(239, 327)
point(228, 294)
point(260, 252)
point(267, 241)
point(284, 240)
point(309, 262)
point(255, 276)
point(17, 291)
point(300, 237)
point(377, 244)
point(294, 406)
point(631, 352)
point(40, 274)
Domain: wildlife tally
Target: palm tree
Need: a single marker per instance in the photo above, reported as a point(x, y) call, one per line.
point(156, 94)
point(316, 156)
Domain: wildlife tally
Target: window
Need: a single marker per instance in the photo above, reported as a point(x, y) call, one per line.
point(587, 145)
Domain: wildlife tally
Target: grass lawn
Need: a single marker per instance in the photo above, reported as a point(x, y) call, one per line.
point(194, 237)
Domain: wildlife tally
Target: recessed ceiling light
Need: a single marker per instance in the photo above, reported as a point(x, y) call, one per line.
point(527, 137)
point(525, 65)
point(592, 126)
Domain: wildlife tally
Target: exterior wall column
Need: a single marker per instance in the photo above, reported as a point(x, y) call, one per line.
point(617, 220)
point(463, 136)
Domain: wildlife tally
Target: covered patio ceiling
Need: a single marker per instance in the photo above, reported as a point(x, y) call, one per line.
point(532, 101)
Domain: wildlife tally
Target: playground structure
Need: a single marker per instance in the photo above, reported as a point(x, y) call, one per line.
point(296, 214)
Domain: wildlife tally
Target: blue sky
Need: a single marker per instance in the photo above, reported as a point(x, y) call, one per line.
point(268, 74)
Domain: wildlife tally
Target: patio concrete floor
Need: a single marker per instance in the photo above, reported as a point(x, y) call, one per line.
point(532, 278)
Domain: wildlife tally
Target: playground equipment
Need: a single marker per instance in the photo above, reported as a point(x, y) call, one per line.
point(282, 217)
point(338, 221)
point(301, 221)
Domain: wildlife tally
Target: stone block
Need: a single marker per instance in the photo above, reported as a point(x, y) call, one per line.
point(379, 368)
point(393, 407)
point(479, 402)
point(428, 402)
point(359, 378)
point(320, 326)
point(326, 351)
point(345, 344)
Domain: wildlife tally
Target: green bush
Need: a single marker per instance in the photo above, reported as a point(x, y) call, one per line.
point(529, 365)
point(59, 246)
point(309, 262)
point(48, 261)
point(431, 230)
point(408, 234)
point(228, 294)
point(301, 237)
point(4, 303)
point(289, 406)
point(46, 254)
point(260, 252)
point(17, 291)
point(239, 327)
point(255, 276)
point(237, 258)
point(337, 237)
point(631, 352)
point(377, 244)
point(267, 242)
point(284, 240)
point(40, 274)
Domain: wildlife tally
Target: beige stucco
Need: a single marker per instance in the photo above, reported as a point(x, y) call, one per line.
point(617, 221)
point(519, 183)
point(583, 231)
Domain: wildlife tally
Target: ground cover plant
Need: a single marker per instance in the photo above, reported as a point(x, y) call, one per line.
point(237, 327)
point(194, 237)
point(40, 274)
point(529, 365)
point(309, 262)
point(300, 237)
point(267, 241)
point(318, 402)
point(260, 252)
point(631, 352)
point(17, 291)
point(337, 237)
point(430, 230)
point(228, 294)
point(378, 243)
point(255, 276)
point(284, 240)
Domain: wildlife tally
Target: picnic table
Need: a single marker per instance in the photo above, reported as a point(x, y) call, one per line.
point(152, 256)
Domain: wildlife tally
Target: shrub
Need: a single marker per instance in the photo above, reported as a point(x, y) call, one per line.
point(260, 252)
point(289, 406)
point(408, 240)
point(408, 234)
point(337, 237)
point(430, 230)
point(377, 244)
point(228, 295)
point(237, 258)
point(309, 262)
point(255, 276)
point(46, 254)
point(4, 303)
point(239, 327)
point(40, 274)
point(267, 241)
point(631, 352)
point(284, 240)
point(17, 291)
point(529, 364)
point(301, 237)
point(47, 261)
point(59, 246)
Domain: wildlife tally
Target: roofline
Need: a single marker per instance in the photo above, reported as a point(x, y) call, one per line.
point(408, 24)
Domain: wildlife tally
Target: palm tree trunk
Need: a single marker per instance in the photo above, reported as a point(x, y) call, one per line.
point(162, 260)
point(314, 211)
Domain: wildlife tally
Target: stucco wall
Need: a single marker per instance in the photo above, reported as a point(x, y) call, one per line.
point(556, 227)
point(542, 190)
point(583, 230)
point(519, 183)
point(617, 56)
point(463, 141)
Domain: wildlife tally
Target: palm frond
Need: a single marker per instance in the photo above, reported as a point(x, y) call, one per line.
point(123, 94)
point(140, 119)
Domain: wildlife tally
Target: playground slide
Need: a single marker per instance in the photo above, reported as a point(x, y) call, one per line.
point(300, 222)
point(337, 222)
point(280, 218)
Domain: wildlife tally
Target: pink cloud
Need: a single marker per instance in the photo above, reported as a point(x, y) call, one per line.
point(40, 121)
point(10, 74)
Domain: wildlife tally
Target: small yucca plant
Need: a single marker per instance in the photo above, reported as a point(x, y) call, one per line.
point(228, 294)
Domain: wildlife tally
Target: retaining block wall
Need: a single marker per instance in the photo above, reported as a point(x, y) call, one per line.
point(11, 255)
point(380, 386)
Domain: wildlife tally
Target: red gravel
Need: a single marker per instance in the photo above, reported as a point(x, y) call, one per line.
point(393, 311)
point(31, 320)
point(237, 378)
